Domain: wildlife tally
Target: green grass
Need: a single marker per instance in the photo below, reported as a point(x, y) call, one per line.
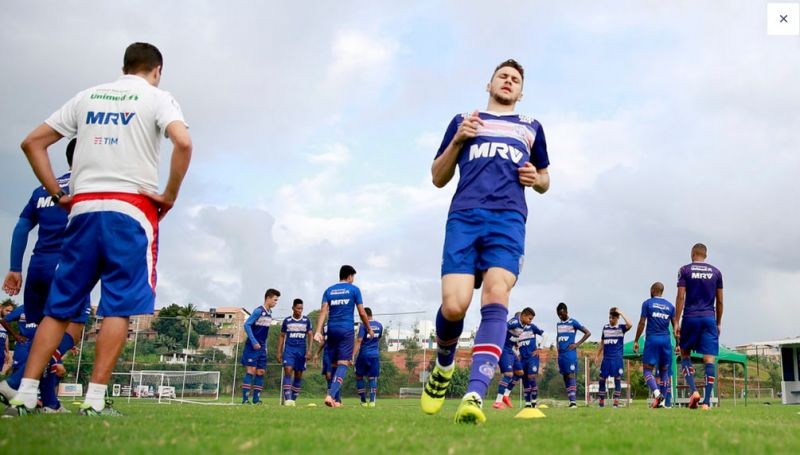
point(397, 426)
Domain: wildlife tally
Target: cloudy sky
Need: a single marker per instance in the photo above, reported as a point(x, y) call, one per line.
point(315, 126)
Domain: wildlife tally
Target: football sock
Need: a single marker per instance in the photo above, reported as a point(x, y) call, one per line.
point(296, 385)
point(486, 351)
point(96, 396)
point(511, 385)
point(373, 388)
point(526, 388)
point(28, 392)
point(447, 334)
point(601, 389)
point(534, 389)
point(572, 388)
point(710, 379)
point(688, 373)
point(47, 387)
point(248, 379)
point(338, 378)
point(361, 389)
point(287, 387)
point(258, 384)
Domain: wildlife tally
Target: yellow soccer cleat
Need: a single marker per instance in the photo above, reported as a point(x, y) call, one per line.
point(469, 411)
point(435, 389)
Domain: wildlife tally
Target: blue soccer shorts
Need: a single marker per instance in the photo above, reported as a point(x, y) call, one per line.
point(568, 363)
point(657, 351)
point(254, 358)
point(369, 366)
point(296, 360)
point(700, 335)
point(509, 362)
point(113, 238)
point(327, 367)
point(611, 368)
point(341, 341)
point(478, 239)
point(531, 365)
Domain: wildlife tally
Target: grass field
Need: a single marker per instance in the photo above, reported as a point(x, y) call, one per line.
point(397, 427)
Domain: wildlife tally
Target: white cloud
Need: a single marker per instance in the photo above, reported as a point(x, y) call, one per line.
point(331, 154)
point(359, 55)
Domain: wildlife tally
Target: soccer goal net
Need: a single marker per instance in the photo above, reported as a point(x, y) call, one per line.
point(167, 385)
point(410, 392)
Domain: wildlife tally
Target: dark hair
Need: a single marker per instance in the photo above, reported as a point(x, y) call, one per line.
point(614, 311)
point(272, 292)
point(71, 150)
point(513, 64)
point(529, 311)
point(368, 310)
point(141, 57)
point(346, 271)
point(561, 306)
point(656, 289)
point(699, 249)
point(8, 302)
point(297, 302)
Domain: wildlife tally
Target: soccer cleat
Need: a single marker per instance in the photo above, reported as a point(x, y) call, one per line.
point(469, 411)
point(258, 403)
point(107, 411)
point(694, 399)
point(371, 404)
point(59, 410)
point(572, 405)
point(602, 403)
point(658, 402)
point(507, 401)
point(533, 403)
point(528, 405)
point(498, 405)
point(6, 393)
point(16, 408)
point(290, 403)
point(331, 403)
point(435, 389)
point(705, 407)
point(246, 402)
point(364, 404)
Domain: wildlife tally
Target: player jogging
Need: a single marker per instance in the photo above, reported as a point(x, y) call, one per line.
point(114, 212)
point(657, 313)
point(368, 360)
point(699, 287)
point(568, 350)
point(498, 153)
point(294, 349)
point(510, 363)
point(254, 354)
point(612, 342)
point(339, 302)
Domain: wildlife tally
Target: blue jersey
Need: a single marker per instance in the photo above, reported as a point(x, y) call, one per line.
point(527, 341)
point(342, 299)
point(565, 331)
point(3, 340)
point(701, 281)
point(296, 333)
point(257, 326)
point(659, 314)
point(370, 347)
point(26, 329)
point(513, 331)
point(613, 339)
point(51, 218)
point(488, 163)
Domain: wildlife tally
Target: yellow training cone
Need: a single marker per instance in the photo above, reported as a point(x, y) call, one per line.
point(530, 413)
point(543, 406)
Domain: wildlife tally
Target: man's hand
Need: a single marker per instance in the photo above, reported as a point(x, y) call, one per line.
point(468, 128)
point(308, 356)
point(528, 174)
point(60, 370)
point(572, 347)
point(370, 333)
point(719, 329)
point(164, 201)
point(13, 283)
point(315, 360)
point(257, 346)
point(677, 331)
point(636, 347)
point(280, 358)
point(318, 338)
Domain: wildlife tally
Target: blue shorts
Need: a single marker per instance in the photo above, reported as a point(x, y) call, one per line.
point(657, 351)
point(509, 361)
point(611, 368)
point(369, 366)
point(296, 360)
point(340, 341)
point(253, 358)
point(21, 351)
point(37, 285)
point(700, 335)
point(568, 363)
point(327, 367)
point(113, 238)
point(531, 365)
point(477, 239)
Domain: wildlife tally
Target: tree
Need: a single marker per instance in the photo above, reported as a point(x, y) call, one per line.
point(411, 349)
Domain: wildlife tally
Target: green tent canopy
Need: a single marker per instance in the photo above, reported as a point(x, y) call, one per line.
point(725, 356)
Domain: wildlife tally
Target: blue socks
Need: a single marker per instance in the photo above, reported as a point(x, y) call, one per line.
point(447, 334)
point(570, 384)
point(710, 379)
point(287, 387)
point(296, 384)
point(361, 389)
point(258, 384)
point(650, 379)
point(373, 388)
point(688, 373)
point(336, 382)
point(487, 348)
point(601, 391)
point(248, 379)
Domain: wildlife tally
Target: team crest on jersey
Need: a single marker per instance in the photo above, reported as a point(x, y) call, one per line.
point(572, 367)
point(620, 371)
point(526, 119)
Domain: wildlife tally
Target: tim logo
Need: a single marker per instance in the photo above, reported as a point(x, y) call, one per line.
point(492, 149)
point(100, 140)
point(104, 118)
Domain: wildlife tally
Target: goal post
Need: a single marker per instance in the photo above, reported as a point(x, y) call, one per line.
point(165, 385)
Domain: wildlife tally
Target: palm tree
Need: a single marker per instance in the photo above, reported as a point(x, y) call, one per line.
point(186, 314)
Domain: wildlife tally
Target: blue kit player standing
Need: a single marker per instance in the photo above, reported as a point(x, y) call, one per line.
point(115, 208)
point(657, 313)
point(612, 342)
point(510, 363)
point(699, 286)
point(498, 153)
point(294, 350)
point(368, 360)
point(568, 350)
point(254, 354)
point(339, 302)
point(529, 355)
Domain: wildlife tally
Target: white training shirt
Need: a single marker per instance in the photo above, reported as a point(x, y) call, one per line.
point(119, 126)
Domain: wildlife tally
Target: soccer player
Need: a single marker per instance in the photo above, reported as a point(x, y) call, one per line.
point(339, 302)
point(568, 350)
point(656, 314)
point(5, 308)
point(612, 342)
point(699, 286)
point(368, 360)
point(510, 363)
point(529, 355)
point(115, 209)
point(498, 153)
point(294, 349)
point(254, 354)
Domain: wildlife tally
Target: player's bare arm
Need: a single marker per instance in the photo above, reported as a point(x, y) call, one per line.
point(323, 313)
point(639, 331)
point(35, 148)
point(538, 179)
point(444, 167)
point(309, 345)
point(680, 301)
point(179, 164)
point(719, 311)
point(599, 356)
point(281, 341)
point(586, 335)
